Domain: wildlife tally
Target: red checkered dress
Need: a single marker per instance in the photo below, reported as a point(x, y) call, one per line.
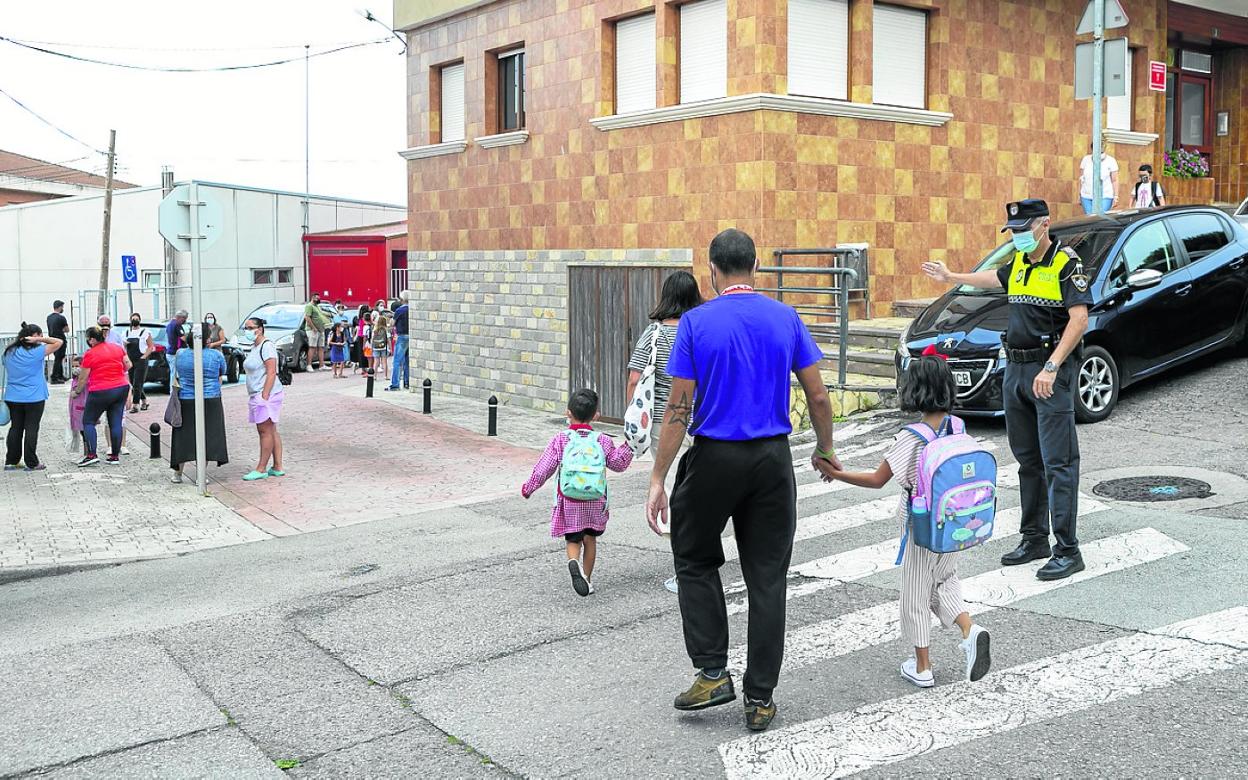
point(569, 515)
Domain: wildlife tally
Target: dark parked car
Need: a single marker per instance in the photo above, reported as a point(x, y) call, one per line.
point(282, 321)
point(158, 365)
point(1168, 285)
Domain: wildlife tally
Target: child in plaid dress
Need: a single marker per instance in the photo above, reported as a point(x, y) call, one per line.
point(580, 523)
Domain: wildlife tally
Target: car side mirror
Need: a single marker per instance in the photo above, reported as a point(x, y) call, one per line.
point(1144, 279)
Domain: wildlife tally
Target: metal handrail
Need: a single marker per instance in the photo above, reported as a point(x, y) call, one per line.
point(843, 277)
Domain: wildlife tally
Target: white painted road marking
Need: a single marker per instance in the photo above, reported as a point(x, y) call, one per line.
point(820, 488)
point(863, 562)
point(985, 592)
point(830, 522)
point(895, 730)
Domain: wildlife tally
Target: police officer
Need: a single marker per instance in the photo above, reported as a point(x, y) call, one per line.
point(1048, 295)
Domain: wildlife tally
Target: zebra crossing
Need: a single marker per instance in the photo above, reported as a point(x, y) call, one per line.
point(895, 730)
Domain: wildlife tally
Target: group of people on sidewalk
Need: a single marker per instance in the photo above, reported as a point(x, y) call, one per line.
point(726, 378)
point(364, 342)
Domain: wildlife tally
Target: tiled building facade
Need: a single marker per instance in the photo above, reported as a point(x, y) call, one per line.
point(987, 115)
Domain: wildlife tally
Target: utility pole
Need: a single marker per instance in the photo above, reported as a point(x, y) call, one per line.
point(1098, 93)
point(307, 164)
point(108, 223)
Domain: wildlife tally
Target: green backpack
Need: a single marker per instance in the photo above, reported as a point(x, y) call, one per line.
point(583, 470)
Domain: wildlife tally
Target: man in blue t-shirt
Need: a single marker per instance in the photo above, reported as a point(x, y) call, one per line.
point(400, 345)
point(733, 362)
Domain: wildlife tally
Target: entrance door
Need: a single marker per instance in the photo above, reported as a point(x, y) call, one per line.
point(608, 308)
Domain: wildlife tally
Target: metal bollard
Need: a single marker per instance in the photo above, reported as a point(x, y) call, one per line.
point(368, 385)
point(492, 429)
point(428, 386)
point(154, 429)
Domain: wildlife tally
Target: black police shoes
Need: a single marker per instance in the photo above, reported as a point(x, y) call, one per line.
point(1026, 553)
point(1060, 567)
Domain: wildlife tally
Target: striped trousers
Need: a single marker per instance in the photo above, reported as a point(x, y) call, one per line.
point(929, 585)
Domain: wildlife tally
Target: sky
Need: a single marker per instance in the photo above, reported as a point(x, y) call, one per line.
point(242, 127)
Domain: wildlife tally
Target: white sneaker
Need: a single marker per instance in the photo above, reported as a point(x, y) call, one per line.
point(978, 658)
point(125, 450)
point(591, 587)
point(908, 670)
point(176, 478)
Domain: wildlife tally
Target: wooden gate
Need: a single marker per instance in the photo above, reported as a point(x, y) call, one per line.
point(608, 308)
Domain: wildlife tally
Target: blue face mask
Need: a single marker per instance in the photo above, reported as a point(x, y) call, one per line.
point(1025, 242)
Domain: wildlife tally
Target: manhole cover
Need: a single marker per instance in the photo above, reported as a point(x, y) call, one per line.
point(363, 568)
point(1151, 489)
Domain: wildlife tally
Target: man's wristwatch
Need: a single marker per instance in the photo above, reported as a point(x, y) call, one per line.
point(1050, 367)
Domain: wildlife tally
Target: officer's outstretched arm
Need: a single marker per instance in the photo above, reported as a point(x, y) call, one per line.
point(985, 280)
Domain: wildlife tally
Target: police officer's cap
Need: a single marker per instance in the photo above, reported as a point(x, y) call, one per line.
point(1019, 213)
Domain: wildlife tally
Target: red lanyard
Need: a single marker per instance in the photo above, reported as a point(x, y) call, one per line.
point(736, 289)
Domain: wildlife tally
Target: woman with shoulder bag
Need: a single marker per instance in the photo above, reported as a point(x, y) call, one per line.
point(182, 443)
point(680, 294)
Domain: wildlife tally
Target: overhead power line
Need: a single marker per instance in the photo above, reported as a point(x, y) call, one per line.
point(164, 69)
point(114, 47)
point(49, 123)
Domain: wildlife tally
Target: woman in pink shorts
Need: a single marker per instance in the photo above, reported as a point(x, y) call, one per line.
point(264, 401)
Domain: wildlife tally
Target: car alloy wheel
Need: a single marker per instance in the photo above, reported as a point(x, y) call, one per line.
point(1097, 386)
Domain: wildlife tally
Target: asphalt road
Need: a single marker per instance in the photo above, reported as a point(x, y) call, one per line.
point(450, 644)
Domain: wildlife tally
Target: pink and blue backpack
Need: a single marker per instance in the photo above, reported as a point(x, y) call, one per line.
point(954, 501)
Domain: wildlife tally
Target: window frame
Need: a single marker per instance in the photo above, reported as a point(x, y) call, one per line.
point(1129, 97)
point(653, 102)
point(257, 278)
point(927, 52)
point(682, 60)
point(1171, 221)
point(1114, 281)
point(442, 101)
point(159, 276)
point(843, 89)
point(289, 273)
point(504, 59)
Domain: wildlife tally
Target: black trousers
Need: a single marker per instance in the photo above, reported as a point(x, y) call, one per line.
point(58, 366)
point(1043, 439)
point(23, 437)
point(138, 378)
point(753, 483)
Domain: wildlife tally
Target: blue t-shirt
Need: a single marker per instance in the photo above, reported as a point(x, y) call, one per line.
point(741, 351)
point(23, 371)
point(173, 336)
point(214, 367)
point(400, 320)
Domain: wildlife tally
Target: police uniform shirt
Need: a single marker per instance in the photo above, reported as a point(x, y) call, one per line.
point(1041, 295)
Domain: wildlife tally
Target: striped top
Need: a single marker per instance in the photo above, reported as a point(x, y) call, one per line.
point(903, 459)
point(641, 359)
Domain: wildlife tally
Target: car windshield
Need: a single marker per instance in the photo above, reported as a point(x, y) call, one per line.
point(279, 316)
point(1091, 246)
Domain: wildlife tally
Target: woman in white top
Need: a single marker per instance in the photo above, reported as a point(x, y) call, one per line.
point(1109, 182)
point(139, 347)
point(264, 401)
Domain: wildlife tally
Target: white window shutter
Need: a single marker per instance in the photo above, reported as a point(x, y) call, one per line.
point(453, 103)
point(819, 48)
point(1118, 109)
point(703, 50)
point(899, 56)
point(635, 64)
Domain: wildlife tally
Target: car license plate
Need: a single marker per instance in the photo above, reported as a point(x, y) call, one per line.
point(962, 378)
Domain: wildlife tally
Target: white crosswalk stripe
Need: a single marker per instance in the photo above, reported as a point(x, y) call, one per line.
point(985, 592)
point(888, 732)
point(862, 562)
point(830, 522)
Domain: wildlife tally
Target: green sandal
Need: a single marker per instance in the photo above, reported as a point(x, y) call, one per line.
point(252, 476)
point(276, 473)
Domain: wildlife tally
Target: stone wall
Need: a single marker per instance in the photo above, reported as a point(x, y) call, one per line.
point(496, 322)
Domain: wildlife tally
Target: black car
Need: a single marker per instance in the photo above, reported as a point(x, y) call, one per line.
point(158, 364)
point(1168, 285)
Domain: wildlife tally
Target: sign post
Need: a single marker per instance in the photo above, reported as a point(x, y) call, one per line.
point(189, 222)
point(1099, 15)
point(129, 275)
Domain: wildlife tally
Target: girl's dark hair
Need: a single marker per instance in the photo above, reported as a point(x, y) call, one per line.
point(927, 386)
point(95, 333)
point(680, 294)
point(259, 321)
point(583, 405)
point(27, 330)
point(363, 309)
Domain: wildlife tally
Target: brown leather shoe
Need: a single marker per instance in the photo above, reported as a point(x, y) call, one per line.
point(706, 692)
point(758, 715)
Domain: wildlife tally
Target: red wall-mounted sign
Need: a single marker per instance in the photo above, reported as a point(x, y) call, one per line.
point(1157, 76)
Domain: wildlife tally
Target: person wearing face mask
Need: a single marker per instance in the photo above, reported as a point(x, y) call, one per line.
point(1148, 192)
point(139, 347)
point(216, 333)
point(1048, 314)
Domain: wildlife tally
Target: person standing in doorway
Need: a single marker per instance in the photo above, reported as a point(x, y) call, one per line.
point(264, 401)
point(732, 362)
point(26, 395)
point(400, 345)
point(680, 295)
point(58, 328)
point(1147, 193)
point(314, 325)
point(1048, 314)
point(1109, 181)
point(139, 347)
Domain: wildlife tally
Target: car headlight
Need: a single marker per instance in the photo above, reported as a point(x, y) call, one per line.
point(285, 341)
point(903, 351)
